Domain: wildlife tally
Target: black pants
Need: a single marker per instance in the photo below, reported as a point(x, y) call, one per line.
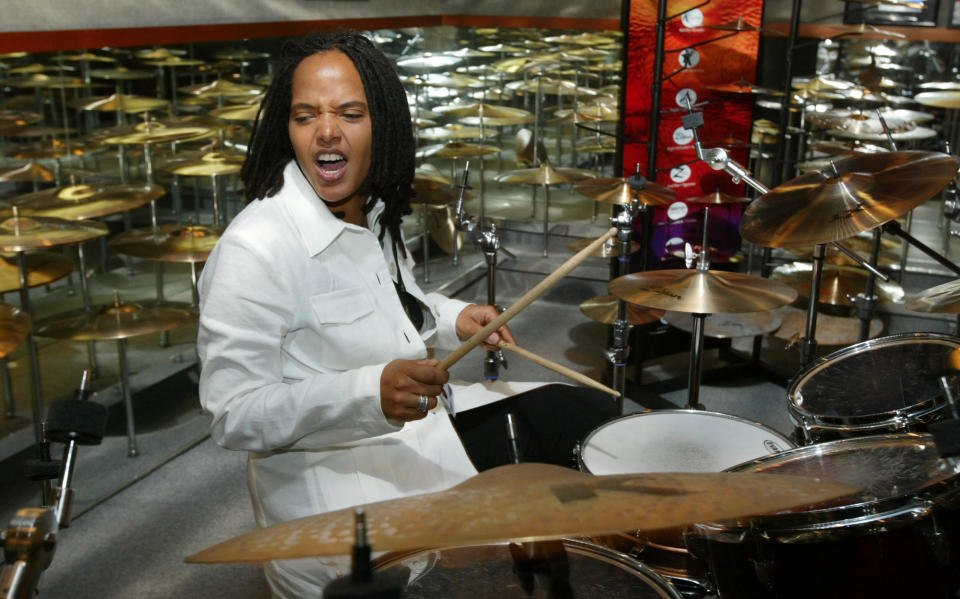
point(550, 421)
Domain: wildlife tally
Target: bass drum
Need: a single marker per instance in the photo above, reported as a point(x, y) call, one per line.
point(898, 537)
point(881, 386)
point(493, 572)
point(673, 441)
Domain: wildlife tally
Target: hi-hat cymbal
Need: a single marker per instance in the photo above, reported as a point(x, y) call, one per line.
point(169, 243)
point(119, 102)
point(607, 250)
point(854, 194)
point(78, 202)
point(702, 291)
point(545, 175)
point(33, 171)
point(839, 285)
point(718, 197)
point(121, 74)
point(43, 268)
point(530, 502)
point(210, 164)
point(940, 299)
point(831, 329)
point(484, 110)
point(618, 191)
point(456, 149)
point(245, 112)
point(729, 326)
point(604, 309)
point(222, 87)
point(120, 320)
point(19, 234)
point(14, 328)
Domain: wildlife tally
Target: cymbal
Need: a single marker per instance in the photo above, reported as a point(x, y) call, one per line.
point(37, 131)
point(240, 54)
point(488, 121)
point(607, 250)
point(453, 80)
point(844, 148)
point(859, 244)
point(222, 87)
point(88, 57)
point(434, 191)
point(606, 112)
point(702, 291)
point(18, 118)
point(469, 53)
point(479, 109)
point(820, 82)
point(604, 309)
point(159, 133)
point(581, 39)
point(504, 48)
point(858, 122)
point(428, 61)
point(456, 149)
point(940, 299)
point(174, 61)
point(618, 191)
point(157, 53)
point(33, 171)
point(40, 68)
point(52, 149)
point(14, 328)
point(121, 74)
point(553, 87)
point(529, 502)
point(718, 197)
point(607, 145)
point(119, 320)
point(19, 234)
point(443, 229)
point(939, 99)
point(43, 80)
point(169, 243)
point(78, 202)
point(865, 32)
point(744, 87)
point(210, 164)
point(545, 175)
point(831, 330)
point(43, 268)
point(245, 112)
point(839, 285)
point(452, 131)
point(729, 326)
point(121, 102)
point(569, 116)
point(856, 194)
point(943, 86)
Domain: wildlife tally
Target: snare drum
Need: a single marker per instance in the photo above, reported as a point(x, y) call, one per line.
point(487, 571)
point(884, 385)
point(896, 538)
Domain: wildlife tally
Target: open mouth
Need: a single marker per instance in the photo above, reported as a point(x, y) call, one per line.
point(331, 165)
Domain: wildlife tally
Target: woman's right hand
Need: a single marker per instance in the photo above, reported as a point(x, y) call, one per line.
point(402, 382)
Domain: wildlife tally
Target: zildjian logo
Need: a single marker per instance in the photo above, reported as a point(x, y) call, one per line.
point(662, 291)
point(570, 493)
point(849, 213)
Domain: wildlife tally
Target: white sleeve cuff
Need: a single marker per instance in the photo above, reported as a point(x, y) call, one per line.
point(447, 311)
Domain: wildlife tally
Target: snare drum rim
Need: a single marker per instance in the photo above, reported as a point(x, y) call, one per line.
point(583, 445)
point(895, 419)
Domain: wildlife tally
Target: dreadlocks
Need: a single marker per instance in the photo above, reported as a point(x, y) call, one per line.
point(392, 157)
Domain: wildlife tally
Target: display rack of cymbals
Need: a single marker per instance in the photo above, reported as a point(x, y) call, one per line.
point(14, 328)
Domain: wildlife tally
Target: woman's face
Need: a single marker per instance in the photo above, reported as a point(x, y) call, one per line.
point(330, 127)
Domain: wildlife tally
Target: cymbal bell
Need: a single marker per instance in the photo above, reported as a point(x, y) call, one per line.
point(604, 309)
point(43, 268)
point(855, 194)
point(210, 164)
point(702, 291)
point(77, 202)
point(839, 285)
point(120, 320)
point(22, 233)
point(529, 502)
point(618, 191)
point(169, 243)
point(456, 149)
point(607, 250)
point(939, 299)
point(14, 328)
point(545, 175)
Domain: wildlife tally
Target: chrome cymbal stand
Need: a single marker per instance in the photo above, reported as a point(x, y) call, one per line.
point(619, 351)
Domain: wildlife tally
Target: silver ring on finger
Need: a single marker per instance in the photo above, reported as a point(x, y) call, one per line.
point(424, 404)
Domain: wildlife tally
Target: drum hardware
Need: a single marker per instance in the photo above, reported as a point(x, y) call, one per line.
point(513, 444)
point(14, 328)
point(363, 581)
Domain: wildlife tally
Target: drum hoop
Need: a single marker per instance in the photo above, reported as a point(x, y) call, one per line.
point(586, 440)
point(795, 397)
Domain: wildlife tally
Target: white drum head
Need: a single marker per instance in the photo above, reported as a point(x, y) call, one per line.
point(677, 441)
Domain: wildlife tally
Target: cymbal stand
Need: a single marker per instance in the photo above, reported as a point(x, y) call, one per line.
point(619, 351)
point(158, 267)
point(696, 340)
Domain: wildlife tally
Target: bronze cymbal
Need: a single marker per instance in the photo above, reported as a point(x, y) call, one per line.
point(831, 330)
point(844, 148)
point(607, 145)
point(36, 67)
point(480, 109)
point(504, 48)
point(859, 244)
point(18, 118)
point(121, 74)
point(428, 61)
point(474, 121)
point(37, 131)
point(606, 112)
point(939, 99)
point(33, 171)
point(702, 291)
point(78, 202)
point(120, 320)
point(443, 229)
point(52, 149)
point(240, 54)
point(174, 61)
point(820, 83)
point(119, 102)
point(453, 80)
point(569, 116)
point(530, 502)
point(864, 31)
point(88, 57)
point(19, 234)
point(553, 87)
point(456, 149)
point(169, 243)
point(718, 197)
point(729, 326)
point(607, 250)
point(604, 309)
point(855, 194)
point(43, 80)
point(839, 285)
point(469, 53)
point(245, 112)
point(159, 133)
point(43, 268)
point(744, 87)
point(222, 87)
point(210, 164)
point(158, 53)
point(452, 131)
point(435, 190)
point(940, 299)
point(545, 175)
point(14, 328)
point(618, 191)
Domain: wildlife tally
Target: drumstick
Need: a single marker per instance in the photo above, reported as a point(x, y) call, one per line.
point(525, 300)
point(573, 374)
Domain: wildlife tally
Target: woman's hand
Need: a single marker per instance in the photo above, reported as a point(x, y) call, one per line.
point(403, 382)
point(473, 318)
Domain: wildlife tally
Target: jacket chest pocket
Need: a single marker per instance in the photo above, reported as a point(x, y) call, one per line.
point(347, 332)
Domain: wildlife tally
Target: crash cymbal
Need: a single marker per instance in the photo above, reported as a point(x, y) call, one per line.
point(718, 197)
point(456, 149)
point(119, 102)
point(453, 131)
point(78, 202)
point(159, 133)
point(831, 330)
point(618, 191)
point(246, 112)
point(18, 118)
point(939, 99)
point(480, 109)
point(121, 74)
point(607, 250)
point(857, 121)
point(222, 87)
point(729, 326)
point(19, 234)
point(14, 328)
point(545, 175)
point(855, 194)
point(119, 320)
point(42, 80)
point(702, 291)
point(474, 121)
point(33, 171)
point(744, 87)
point(604, 309)
point(839, 285)
point(169, 243)
point(529, 502)
point(940, 299)
point(210, 164)
point(240, 54)
point(43, 268)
